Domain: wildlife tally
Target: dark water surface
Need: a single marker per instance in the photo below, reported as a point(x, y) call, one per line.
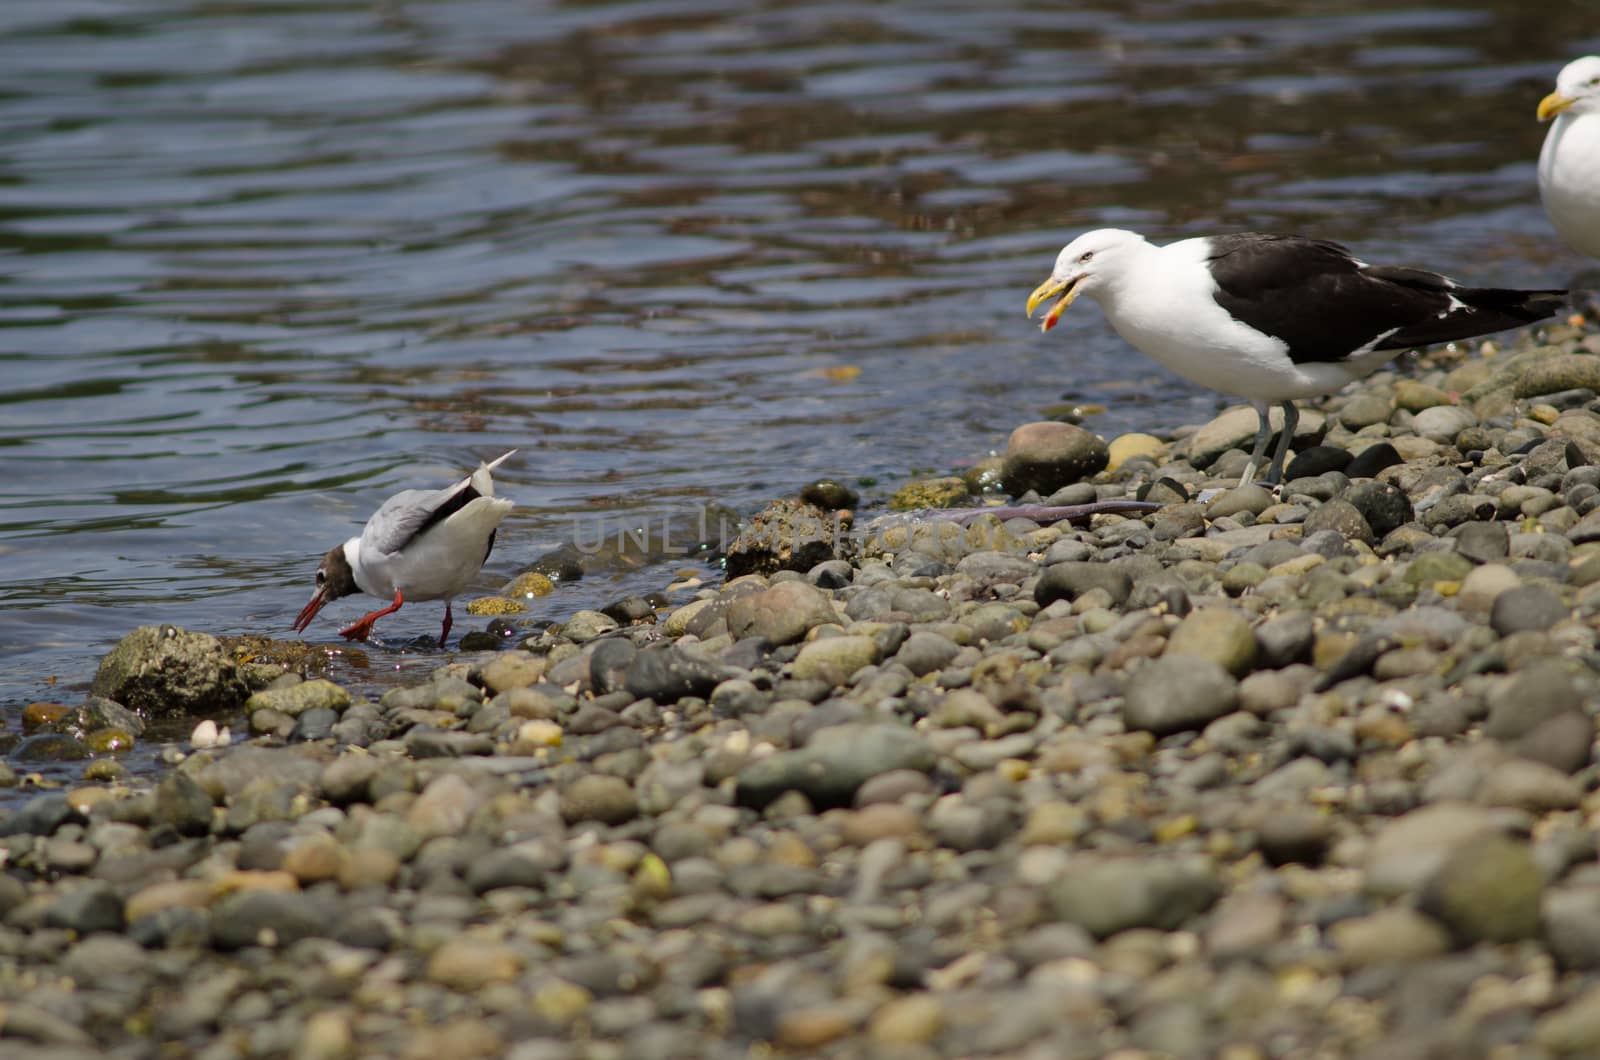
point(264, 263)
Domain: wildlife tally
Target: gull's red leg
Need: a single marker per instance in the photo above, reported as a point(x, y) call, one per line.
point(445, 632)
point(362, 629)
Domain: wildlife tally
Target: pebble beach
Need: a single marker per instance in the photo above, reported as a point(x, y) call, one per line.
point(1249, 776)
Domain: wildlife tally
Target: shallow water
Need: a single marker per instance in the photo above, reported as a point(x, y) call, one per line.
point(263, 264)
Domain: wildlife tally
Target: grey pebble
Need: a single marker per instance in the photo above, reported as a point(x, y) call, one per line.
point(1526, 607)
point(1175, 693)
point(837, 762)
point(1108, 895)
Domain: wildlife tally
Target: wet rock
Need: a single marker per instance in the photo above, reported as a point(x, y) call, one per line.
point(829, 495)
point(51, 747)
point(1486, 890)
point(836, 762)
point(532, 584)
point(163, 670)
point(1048, 455)
point(1108, 895)
point(1526, 607)
point(786, 535)
point(1178, 692)
point(585, 626)
point(782, 614)
point(98, 712)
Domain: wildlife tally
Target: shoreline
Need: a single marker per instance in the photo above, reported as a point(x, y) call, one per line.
point(1243, 776)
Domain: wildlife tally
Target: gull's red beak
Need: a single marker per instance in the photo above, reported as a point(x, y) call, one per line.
point(308, 612)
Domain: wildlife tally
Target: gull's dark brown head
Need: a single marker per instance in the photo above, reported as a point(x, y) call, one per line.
point(334, 579)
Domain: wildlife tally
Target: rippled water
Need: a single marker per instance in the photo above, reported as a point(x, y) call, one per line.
point(262, 264)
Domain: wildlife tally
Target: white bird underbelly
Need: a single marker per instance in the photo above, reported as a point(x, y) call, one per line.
point(1569, 180)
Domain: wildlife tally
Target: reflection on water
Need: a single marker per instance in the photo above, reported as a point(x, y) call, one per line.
point(263, 264)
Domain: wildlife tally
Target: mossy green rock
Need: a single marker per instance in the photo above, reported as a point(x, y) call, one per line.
point(529, 584)
point(167, 670)
point(835, 659)
point(1220, 634)
point(1561, 372)
point(495, 605)
point(109, 741)
point(948, 492)
point(297, 699)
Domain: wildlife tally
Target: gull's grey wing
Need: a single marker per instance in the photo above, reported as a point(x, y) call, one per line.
point(409, 513)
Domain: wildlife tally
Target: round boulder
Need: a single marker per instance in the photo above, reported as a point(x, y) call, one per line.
point(1048, 455)
point(165, 670)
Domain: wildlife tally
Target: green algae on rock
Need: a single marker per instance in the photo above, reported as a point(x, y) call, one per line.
point(167, 670)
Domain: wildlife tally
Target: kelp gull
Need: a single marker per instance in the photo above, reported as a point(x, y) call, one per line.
point(1569, 163)
point(1272, 318)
